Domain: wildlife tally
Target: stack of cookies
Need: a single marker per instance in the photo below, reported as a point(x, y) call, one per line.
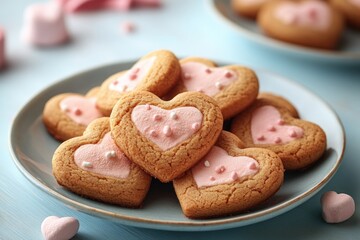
point(164, 119)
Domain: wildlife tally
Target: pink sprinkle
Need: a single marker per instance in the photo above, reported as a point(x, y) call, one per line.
point(228, 74)
point(133, 76)
point(208, 70)
point(157, 117)
point(234, 175)
point(127, 27)
point(293, 133)
point(271, 128)
point(153, 133)
point(167, 131)
point(277, 140)
point(312, 13)
point(148, 107)
point(116, 82)
point(195, 126)
point(220, 169)
point(174, 116)
point(261, 138)
point(280, 122)
point(77, 112)
point(253, 166)
point(136, 70)
point(187, 76)
point(212, 178)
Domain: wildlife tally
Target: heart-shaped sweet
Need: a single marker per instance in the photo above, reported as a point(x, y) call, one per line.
point(165, 138)
point(156, 72)
point(106, 158)
point(55, 228)
point(93, 166)
point(336, 207)
point(272, 123)
point(267, 127)
point(232, 87)
point(67, 115)
point(229, 179)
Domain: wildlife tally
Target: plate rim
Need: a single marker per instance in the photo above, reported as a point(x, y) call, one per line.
point(281, 45)
point(208, 224)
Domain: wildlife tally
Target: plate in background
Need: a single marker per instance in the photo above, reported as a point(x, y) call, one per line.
point(32, 149)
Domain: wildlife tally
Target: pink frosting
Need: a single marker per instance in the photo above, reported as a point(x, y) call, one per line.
point(55, 228)
point(167, 128)
point(103, 158)
point(131, 78)
point(355, 2)
point(81, 110)
point(2, 48)
point(314, 14)
point(337, 207)
point(210, 81)
point(218, 167)
point(267, 127)
point(44, 24)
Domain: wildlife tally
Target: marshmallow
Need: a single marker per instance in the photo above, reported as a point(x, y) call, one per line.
point(44, 25)
point(2, 48)
point(55, 228)
point(337, 208)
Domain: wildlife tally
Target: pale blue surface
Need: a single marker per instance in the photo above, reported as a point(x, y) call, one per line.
point(187, 28)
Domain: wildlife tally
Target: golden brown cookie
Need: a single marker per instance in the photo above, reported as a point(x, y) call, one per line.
point(269, 124)
point(229, 179)
point(311, 23)
point(165, 138)
point(248, 8)
point(350, 9)
point(232, 87)
point(93, 166)
point(156, 72)
point(67, 115)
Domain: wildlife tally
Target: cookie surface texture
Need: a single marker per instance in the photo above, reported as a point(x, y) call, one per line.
point(93, 166)
point(248, 8)
point(165, 138)
point(229, 179)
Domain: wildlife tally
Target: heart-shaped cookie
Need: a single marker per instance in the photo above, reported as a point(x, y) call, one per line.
point(268, 123)
point(67, 115)
point(156, 72)
point(312, 23)
point(232, 87)
point(229, 179)
point(54, 227)
point(336, 207)
point(165, 138)
point(93, 166)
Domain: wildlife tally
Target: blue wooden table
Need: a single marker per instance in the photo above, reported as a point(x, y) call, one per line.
point(188, 28)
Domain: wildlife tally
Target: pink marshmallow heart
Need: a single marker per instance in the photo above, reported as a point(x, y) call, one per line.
point(267, 127)
point(208, 80)
point(336, 207)
point(106, 158)
point(81, 110)
point(314, 14)
point(166, 128)
point(218, 167)
point(55, 228)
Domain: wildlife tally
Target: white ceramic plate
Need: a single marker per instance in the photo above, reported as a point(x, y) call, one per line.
point(349, 51)
point(32, 149)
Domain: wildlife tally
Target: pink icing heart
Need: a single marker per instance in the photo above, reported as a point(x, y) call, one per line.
point(314, 14)
point(80, 109)
point(166, 128)
point(201, 78)
point(55, 228)
point(131, 78)
point(104, 158)
point(267, 127)
point(337, 207)
point(218, 167)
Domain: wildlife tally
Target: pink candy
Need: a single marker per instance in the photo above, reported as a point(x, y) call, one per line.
point(336, 207)
point(55, 228)
point(2, 48)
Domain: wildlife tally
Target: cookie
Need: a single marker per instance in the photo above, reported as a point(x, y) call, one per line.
point(311, 23)
point(156, 72)
point(67, 115)
point(165, 138)
point(93, 166)
point(229, 179)
point(248, 8)
point(350, 9)
point(232, 87)
point(269, 124)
